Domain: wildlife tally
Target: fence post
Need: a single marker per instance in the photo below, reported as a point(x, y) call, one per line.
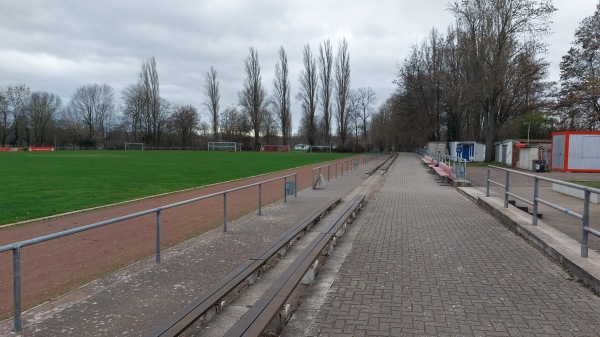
point(296, 183)
point(336, 169)
point(313, 179)
point(158, 236)
point(506, 189)
point(17, 288)
point(320, 175)
point(259, 199)
point(284, 190)
point(536, 186)
point(487, 183)
point(328, 167)
point(465, 170)
point(585, 224)
point(224, 211)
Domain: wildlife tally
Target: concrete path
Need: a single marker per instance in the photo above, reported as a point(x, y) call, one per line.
point(426, 261)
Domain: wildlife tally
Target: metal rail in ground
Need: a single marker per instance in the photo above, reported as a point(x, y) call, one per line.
point(256, 320)
point(205, 306)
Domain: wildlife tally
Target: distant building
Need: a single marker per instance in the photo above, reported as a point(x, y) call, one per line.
point(468, 150)
point(300, 147)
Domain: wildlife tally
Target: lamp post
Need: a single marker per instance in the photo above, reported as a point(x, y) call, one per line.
point(528, 127)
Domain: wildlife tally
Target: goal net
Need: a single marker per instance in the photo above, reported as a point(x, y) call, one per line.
point(274, 148)
point(223, 146)
point(320, 148)
point(134, 146)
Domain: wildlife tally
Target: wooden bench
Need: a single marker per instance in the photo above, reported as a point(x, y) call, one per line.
point(212, 298)
point(257, 318)
point(443, 170)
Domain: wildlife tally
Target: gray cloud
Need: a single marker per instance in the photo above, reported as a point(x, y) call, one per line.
point(58, 46)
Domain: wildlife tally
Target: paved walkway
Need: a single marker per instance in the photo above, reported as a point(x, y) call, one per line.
point(426, 261)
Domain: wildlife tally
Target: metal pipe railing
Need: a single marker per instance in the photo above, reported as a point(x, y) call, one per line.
point(346, 162)
point(16, 246)
point(585, 217)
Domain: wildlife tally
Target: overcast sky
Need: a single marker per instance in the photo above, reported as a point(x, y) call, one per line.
point(57, 46)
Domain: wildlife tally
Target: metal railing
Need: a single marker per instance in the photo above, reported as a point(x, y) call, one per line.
point(16, 246)
point(585, 217)
point(459, 171)
point(347, 162)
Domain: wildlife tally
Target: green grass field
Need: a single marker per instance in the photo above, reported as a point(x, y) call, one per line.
point(34, 185)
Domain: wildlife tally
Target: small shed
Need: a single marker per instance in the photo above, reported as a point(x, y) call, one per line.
point(576, 151)
point(436, 148)
point(506, 151)
point(469, 150)
point(533, 157)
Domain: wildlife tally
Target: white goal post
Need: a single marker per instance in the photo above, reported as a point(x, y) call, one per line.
point(223, 146)
point(319, 148)
point(134, 146)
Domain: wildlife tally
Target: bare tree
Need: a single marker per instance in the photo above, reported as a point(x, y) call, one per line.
point(308, 95)
point(12, 113)
point(184, 122)
point(4, 118)
point(580, 77)
point(41, 109)
point(153, 116)
point(342, 87)
point(234, 124)
point(253, 98)
point(501, 36)
point(91, 105)
point(325, 73)
point(281, 96)
point(211, 87)
point(366, 100)
point(134, 104)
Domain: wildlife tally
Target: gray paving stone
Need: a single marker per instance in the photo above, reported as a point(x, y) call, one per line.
point(438, 265)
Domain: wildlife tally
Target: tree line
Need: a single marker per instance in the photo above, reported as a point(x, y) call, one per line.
point(485, 80)
point(93, 119)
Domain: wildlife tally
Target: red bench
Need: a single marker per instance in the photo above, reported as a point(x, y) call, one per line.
point(443, 170)
point(426, 159)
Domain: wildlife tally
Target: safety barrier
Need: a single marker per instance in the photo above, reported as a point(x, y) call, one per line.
point(585, 217)
point(16, 246)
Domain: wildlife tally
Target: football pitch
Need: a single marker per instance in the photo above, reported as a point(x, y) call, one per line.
point(38, 184)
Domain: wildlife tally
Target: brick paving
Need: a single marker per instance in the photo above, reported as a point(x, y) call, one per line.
point(428, 262)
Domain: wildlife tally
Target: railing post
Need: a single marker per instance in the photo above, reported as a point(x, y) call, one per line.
point(465, 170)
point(320, 175)
point(225, 212)
point(585, 224)
point(536, 188)
point(314, 186)
point(259, 199)
point(506, 190)
point(336, 170)
point(328, 167)
point(487, 183)
point(296, 183)
point(17, 288)
point(284, 190)
point(158, 236)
